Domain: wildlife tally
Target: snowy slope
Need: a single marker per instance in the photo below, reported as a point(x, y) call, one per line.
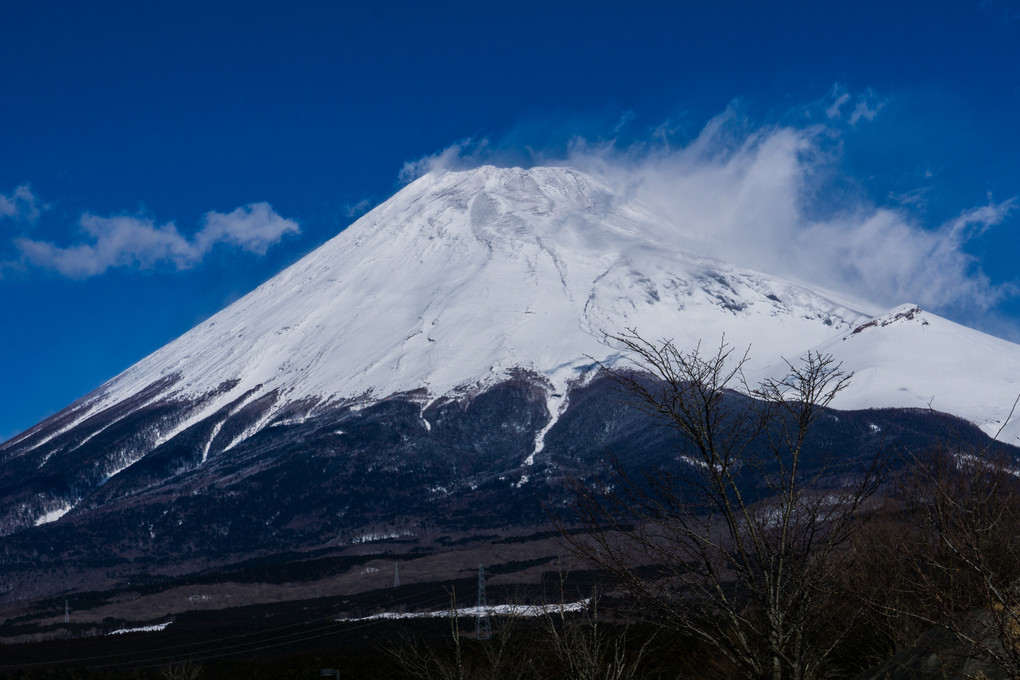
point(915, 359)
point(462, 277)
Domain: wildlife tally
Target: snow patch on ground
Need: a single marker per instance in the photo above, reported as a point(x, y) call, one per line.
point(372, 537)
point(212, 437)
point(971, 462)
point(491, 610)
point(127, 460)
point(54, 515)
point(196, 415)
point(141, 629)
point(556, 403)
point(254, 429)
point(82, 417)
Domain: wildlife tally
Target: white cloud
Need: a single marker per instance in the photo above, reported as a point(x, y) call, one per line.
point(750, 197)
point(118, 242)
point(21, 204)
point(883, 255)
point(126, 241)
point(253, 228)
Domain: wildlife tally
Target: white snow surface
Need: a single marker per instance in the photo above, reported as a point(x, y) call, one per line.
point(912, 358)
point(518, 610)
point(54, 515)
point(155, 628)
point(463, 277)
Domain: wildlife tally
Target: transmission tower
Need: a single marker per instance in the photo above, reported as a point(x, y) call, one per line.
point(483, 626)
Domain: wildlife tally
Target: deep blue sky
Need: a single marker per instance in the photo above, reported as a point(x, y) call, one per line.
point(164, 112)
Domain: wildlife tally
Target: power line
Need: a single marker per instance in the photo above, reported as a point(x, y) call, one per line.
point(194, 651)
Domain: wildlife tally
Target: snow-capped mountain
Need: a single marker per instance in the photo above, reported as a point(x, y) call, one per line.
point(439, 348)
point(455, 283)
point(464, 277)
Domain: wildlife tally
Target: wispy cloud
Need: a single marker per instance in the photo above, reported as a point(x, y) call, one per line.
point(862, 106)
point(752, 196)
point(136, 242)
point(914, 197)
point(357, 209)
point(21, 204)
point(760, 196)
point(461, 155)
point(835, 109)
point(253, 228)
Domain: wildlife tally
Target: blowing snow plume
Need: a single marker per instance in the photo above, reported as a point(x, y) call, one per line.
point(773, 198)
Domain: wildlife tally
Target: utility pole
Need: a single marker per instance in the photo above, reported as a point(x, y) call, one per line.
point(67, 612)
point(396, 574)
point(483, 626)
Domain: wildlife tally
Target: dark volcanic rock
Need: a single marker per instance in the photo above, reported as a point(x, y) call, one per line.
point(234, 485)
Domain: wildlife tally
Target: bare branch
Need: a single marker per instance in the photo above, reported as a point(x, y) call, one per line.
point(745, 545)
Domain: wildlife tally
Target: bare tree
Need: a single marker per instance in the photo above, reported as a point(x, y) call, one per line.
point(960, 558)
point(507, 655)
point(181, 670)
point(417, 659)
point(586, 650)
point(739, 547)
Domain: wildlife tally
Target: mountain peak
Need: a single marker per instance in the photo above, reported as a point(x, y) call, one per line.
point(508, 205)
point(514, 178)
